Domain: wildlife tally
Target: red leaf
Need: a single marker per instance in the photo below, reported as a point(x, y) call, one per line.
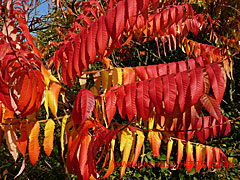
point(162, 69)
point(110, 104)
point(102, 35)
point(84, 58)
point(83, 157)
point(211, 105)
point(172, 68)
point(217, 80)
point(132, 12)
point(141, 72)
point(152, 71)
point(228, 126)
point(77, 43)
point(143, 99)
point(155, 93)
point(110, 20)
point(83, 107)
point(209, 153)
point(71, 70)
point(196, 84)
point(121, 101)
point(183, 82)
point(170, 93)
point(195, 26)
point(91, 41)
point(130, 100)
point(192, 63)
point(182, 66)
point(120, 20)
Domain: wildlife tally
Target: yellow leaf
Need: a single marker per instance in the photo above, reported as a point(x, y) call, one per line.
point(117, 76)
point(189, 160)
point(64, 120)
point(106, 80)
point(127, 140)
point(46, 75)
point(169, 149)
point(46, 102)
point(53, 94)
point(49, 136)
point(151, 120)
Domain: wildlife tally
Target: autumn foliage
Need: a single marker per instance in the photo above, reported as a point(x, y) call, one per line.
point(167, 103)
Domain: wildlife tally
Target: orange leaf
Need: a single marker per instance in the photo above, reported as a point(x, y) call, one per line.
point(140, 141)
point(169, 149)
point(48, 140)
point(53, 93)
point(33, 146)
point(155, 142)
point(189, 160)
point(179, 152)
point(199, 160)
point(209, 153)
point(111, 162)
point(128, 75)
point(23, 140)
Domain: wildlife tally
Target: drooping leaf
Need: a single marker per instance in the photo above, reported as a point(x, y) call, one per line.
point(121, 102)
point(155, 140)
point(11, 138)
point(211, 105)
point(83, 107)
point(217, 80)
point(155, 93)
point(23, 139)
point(143, 99)
point(64, 120)
point(209, 153)
point(183, 82)
point(199, 160)
point(117, 76)
point(196, 85)
point(110, 104)
point(140, 141)
point(189, 159)
point(128, 75)
point(48, 137)
point(125, 147)
point(130, 100)
point(33, 146)
point(53, 94)
point(170, 93)
point(179, 153)
point(169, 149)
